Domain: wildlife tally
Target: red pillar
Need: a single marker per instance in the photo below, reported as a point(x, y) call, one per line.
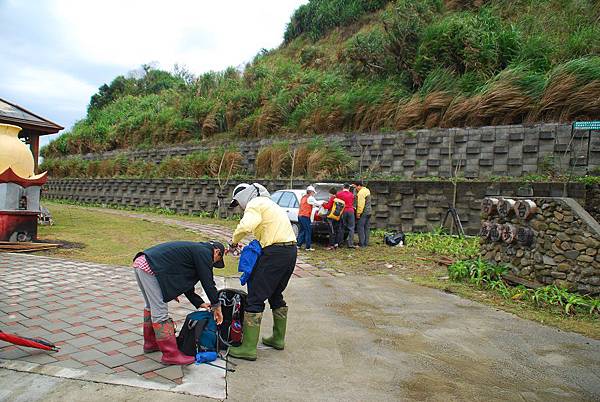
point(35, 149)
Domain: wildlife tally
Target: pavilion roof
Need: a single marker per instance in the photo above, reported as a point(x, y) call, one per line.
point(11, 113)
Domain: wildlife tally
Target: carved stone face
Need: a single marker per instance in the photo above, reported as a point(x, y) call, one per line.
point(525, 236)
point(495, 232)
point(505, 207)
point(484, 233)
point(509, 233)
point(488, 206)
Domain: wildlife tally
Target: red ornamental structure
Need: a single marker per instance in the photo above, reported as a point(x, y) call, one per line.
point(20, 187)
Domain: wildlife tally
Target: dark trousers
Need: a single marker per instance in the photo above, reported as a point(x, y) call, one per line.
point(363, 228)
point(347, 223)
point(270, 277)
point(333, 226)
point(305, 233)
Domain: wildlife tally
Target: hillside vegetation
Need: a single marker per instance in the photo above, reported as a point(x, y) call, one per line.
point(359, 65)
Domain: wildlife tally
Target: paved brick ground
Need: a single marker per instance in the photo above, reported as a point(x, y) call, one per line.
point(92, 311)
point(303, 269)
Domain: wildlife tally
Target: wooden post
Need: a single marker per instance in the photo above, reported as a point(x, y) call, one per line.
point(35, 149)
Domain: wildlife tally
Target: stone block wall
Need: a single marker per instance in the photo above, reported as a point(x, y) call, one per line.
point(565, 250)
point(477, 152)
point(409, 205)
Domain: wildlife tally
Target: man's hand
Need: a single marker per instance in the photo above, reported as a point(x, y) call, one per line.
point(218, 315)
point(205, 306)
point(234, 249)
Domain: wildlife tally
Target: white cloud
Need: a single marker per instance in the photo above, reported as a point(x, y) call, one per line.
point(54, 54)
point(199, 34)
point(66, 92)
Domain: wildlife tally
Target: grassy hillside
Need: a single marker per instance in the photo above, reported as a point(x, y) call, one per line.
point(359, 65)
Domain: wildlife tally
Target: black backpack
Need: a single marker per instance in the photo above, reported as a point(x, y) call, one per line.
point(233, 303)
point(394, 239)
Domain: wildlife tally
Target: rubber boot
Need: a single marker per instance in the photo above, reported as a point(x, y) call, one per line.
point(167, 343)
point(277, 340)
point(251, 330)
point(150, 344)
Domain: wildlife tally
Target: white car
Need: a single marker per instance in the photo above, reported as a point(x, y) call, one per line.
point(289, 200)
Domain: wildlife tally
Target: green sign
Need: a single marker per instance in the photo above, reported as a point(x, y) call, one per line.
point(586, 125)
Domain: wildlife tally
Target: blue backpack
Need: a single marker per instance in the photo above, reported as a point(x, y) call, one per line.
point(198, 334)
point(248, 259)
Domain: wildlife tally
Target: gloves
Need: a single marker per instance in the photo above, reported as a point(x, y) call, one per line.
point(234, 249)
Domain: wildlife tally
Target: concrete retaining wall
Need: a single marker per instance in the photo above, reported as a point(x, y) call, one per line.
point(410, 205)
point(478, 152)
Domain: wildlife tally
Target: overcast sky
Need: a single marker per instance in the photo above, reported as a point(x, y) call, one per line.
point(54, 54)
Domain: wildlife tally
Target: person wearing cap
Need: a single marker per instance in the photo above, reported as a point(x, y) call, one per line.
point(270, 225)
point(307, 202)
point(165, 271)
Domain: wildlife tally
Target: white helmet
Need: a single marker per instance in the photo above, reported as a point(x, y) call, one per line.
point(310, 188)
point(244, 192)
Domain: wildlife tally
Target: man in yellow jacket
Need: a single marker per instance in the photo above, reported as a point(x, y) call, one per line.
point(271, 226)
point(363, 213)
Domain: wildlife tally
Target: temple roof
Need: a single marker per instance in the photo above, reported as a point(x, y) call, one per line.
point(11, 113)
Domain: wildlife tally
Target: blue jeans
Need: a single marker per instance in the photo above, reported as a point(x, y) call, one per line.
point(305, 232)
point(363, 229)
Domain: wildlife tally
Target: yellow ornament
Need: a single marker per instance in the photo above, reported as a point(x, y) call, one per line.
point(14, 153)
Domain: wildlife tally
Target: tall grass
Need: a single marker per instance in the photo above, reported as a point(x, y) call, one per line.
point(316, 160)
point(217, 163)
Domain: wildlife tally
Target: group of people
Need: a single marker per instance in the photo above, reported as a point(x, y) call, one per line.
point(348, 210)
point(168, 270)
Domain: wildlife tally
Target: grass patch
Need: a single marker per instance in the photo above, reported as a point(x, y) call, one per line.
point(111, 239)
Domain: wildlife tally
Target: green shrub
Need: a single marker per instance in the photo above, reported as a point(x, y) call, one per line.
point(489, 276)
point(366, 54)
point(404, 25)
point(468, 42)
point(438, 242)
point(317, 17)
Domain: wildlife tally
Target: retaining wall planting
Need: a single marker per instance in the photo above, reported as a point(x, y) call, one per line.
point(478, 152)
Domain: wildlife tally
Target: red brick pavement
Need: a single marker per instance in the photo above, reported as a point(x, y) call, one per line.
point(302, 270)
point(91, 311)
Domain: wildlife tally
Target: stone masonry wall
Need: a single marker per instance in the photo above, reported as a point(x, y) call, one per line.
point(478, 152)
point(565, 250)
point(410, 205)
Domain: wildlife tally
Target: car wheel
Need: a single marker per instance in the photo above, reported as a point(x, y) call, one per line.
point(296, 229)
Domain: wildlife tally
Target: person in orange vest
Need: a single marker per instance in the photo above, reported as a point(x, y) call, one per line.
point(307, 203)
